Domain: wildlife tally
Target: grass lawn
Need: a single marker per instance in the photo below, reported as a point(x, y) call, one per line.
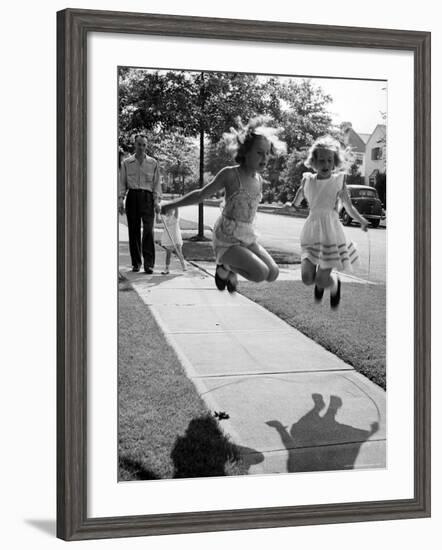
point(355, 332)
point(165, 429)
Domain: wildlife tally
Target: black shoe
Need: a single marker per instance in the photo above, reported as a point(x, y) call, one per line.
point(336, 298)
point(319, 293)
point(148, 270)
point(135, 268)
point(232, 282)
point(220, 283)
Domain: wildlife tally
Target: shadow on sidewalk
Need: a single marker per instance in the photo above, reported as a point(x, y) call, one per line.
point(149, 280)
point(308, 441)
point(204, 451)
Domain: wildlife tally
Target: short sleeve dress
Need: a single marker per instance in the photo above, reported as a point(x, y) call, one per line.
point(323, 241)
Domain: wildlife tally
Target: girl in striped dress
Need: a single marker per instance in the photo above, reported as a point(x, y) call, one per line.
point(323, 243)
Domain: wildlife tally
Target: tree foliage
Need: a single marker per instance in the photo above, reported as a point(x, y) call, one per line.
point(306, 116)
point(175, 108)
point(189, 102)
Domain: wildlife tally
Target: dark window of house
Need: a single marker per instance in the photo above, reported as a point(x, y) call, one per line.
point(376, 153)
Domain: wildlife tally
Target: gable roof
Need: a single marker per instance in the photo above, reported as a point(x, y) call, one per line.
point(355, 141)
point(381, 127)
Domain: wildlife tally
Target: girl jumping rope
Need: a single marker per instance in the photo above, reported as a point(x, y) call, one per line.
point(234, 238)
point(324, 246)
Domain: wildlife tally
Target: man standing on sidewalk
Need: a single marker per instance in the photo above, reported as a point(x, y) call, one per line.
point(140, 180)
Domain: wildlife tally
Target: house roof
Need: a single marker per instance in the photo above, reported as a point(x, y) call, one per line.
point(366, 138)
point(381, 126)
point(355, 141)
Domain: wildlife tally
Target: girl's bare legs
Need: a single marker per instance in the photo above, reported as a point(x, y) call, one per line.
point(324, 278)
point(308, 272)
point(262, 253)
point(180, 251)
point(168, 255)
point(246, 263)
point(321, 278)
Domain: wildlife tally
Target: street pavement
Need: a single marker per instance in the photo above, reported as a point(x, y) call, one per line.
point(292, 405)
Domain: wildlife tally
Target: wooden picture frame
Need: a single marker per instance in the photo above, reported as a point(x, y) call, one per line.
point(73, 27)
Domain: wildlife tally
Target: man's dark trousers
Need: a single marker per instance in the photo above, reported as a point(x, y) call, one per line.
point(140, 208)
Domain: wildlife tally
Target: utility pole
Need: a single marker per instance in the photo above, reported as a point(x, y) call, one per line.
point(200, 236)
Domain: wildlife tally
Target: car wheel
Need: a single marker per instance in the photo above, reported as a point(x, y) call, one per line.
point(375, 223)
point(346, 219)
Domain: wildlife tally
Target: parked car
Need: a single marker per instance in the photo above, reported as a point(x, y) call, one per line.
point(367, 202)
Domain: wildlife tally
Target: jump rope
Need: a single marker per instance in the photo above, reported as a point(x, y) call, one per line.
point(183, 265)
point(369, 255)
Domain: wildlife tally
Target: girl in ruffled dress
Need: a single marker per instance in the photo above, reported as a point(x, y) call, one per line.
point(235, 241)
point(324, 246)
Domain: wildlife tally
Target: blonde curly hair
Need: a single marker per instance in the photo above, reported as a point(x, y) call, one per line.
point(342, 156)
point(239, 142)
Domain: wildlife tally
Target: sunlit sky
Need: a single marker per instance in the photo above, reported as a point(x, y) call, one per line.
point(360, 102)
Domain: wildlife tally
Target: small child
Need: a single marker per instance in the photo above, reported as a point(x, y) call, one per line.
point(172, 222)
point(323, 243)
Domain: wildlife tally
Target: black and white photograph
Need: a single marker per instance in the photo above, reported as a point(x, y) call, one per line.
point(252, 231)
point(219, 316)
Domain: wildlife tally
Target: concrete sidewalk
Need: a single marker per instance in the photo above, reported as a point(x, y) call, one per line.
point(292, 405)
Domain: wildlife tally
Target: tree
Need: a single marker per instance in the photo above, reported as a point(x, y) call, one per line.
point(292, 175)
point(217, 157)
point(305, 117)
point(354, 175)
point(158, 103)
point(194, 104)
point(178, 156)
